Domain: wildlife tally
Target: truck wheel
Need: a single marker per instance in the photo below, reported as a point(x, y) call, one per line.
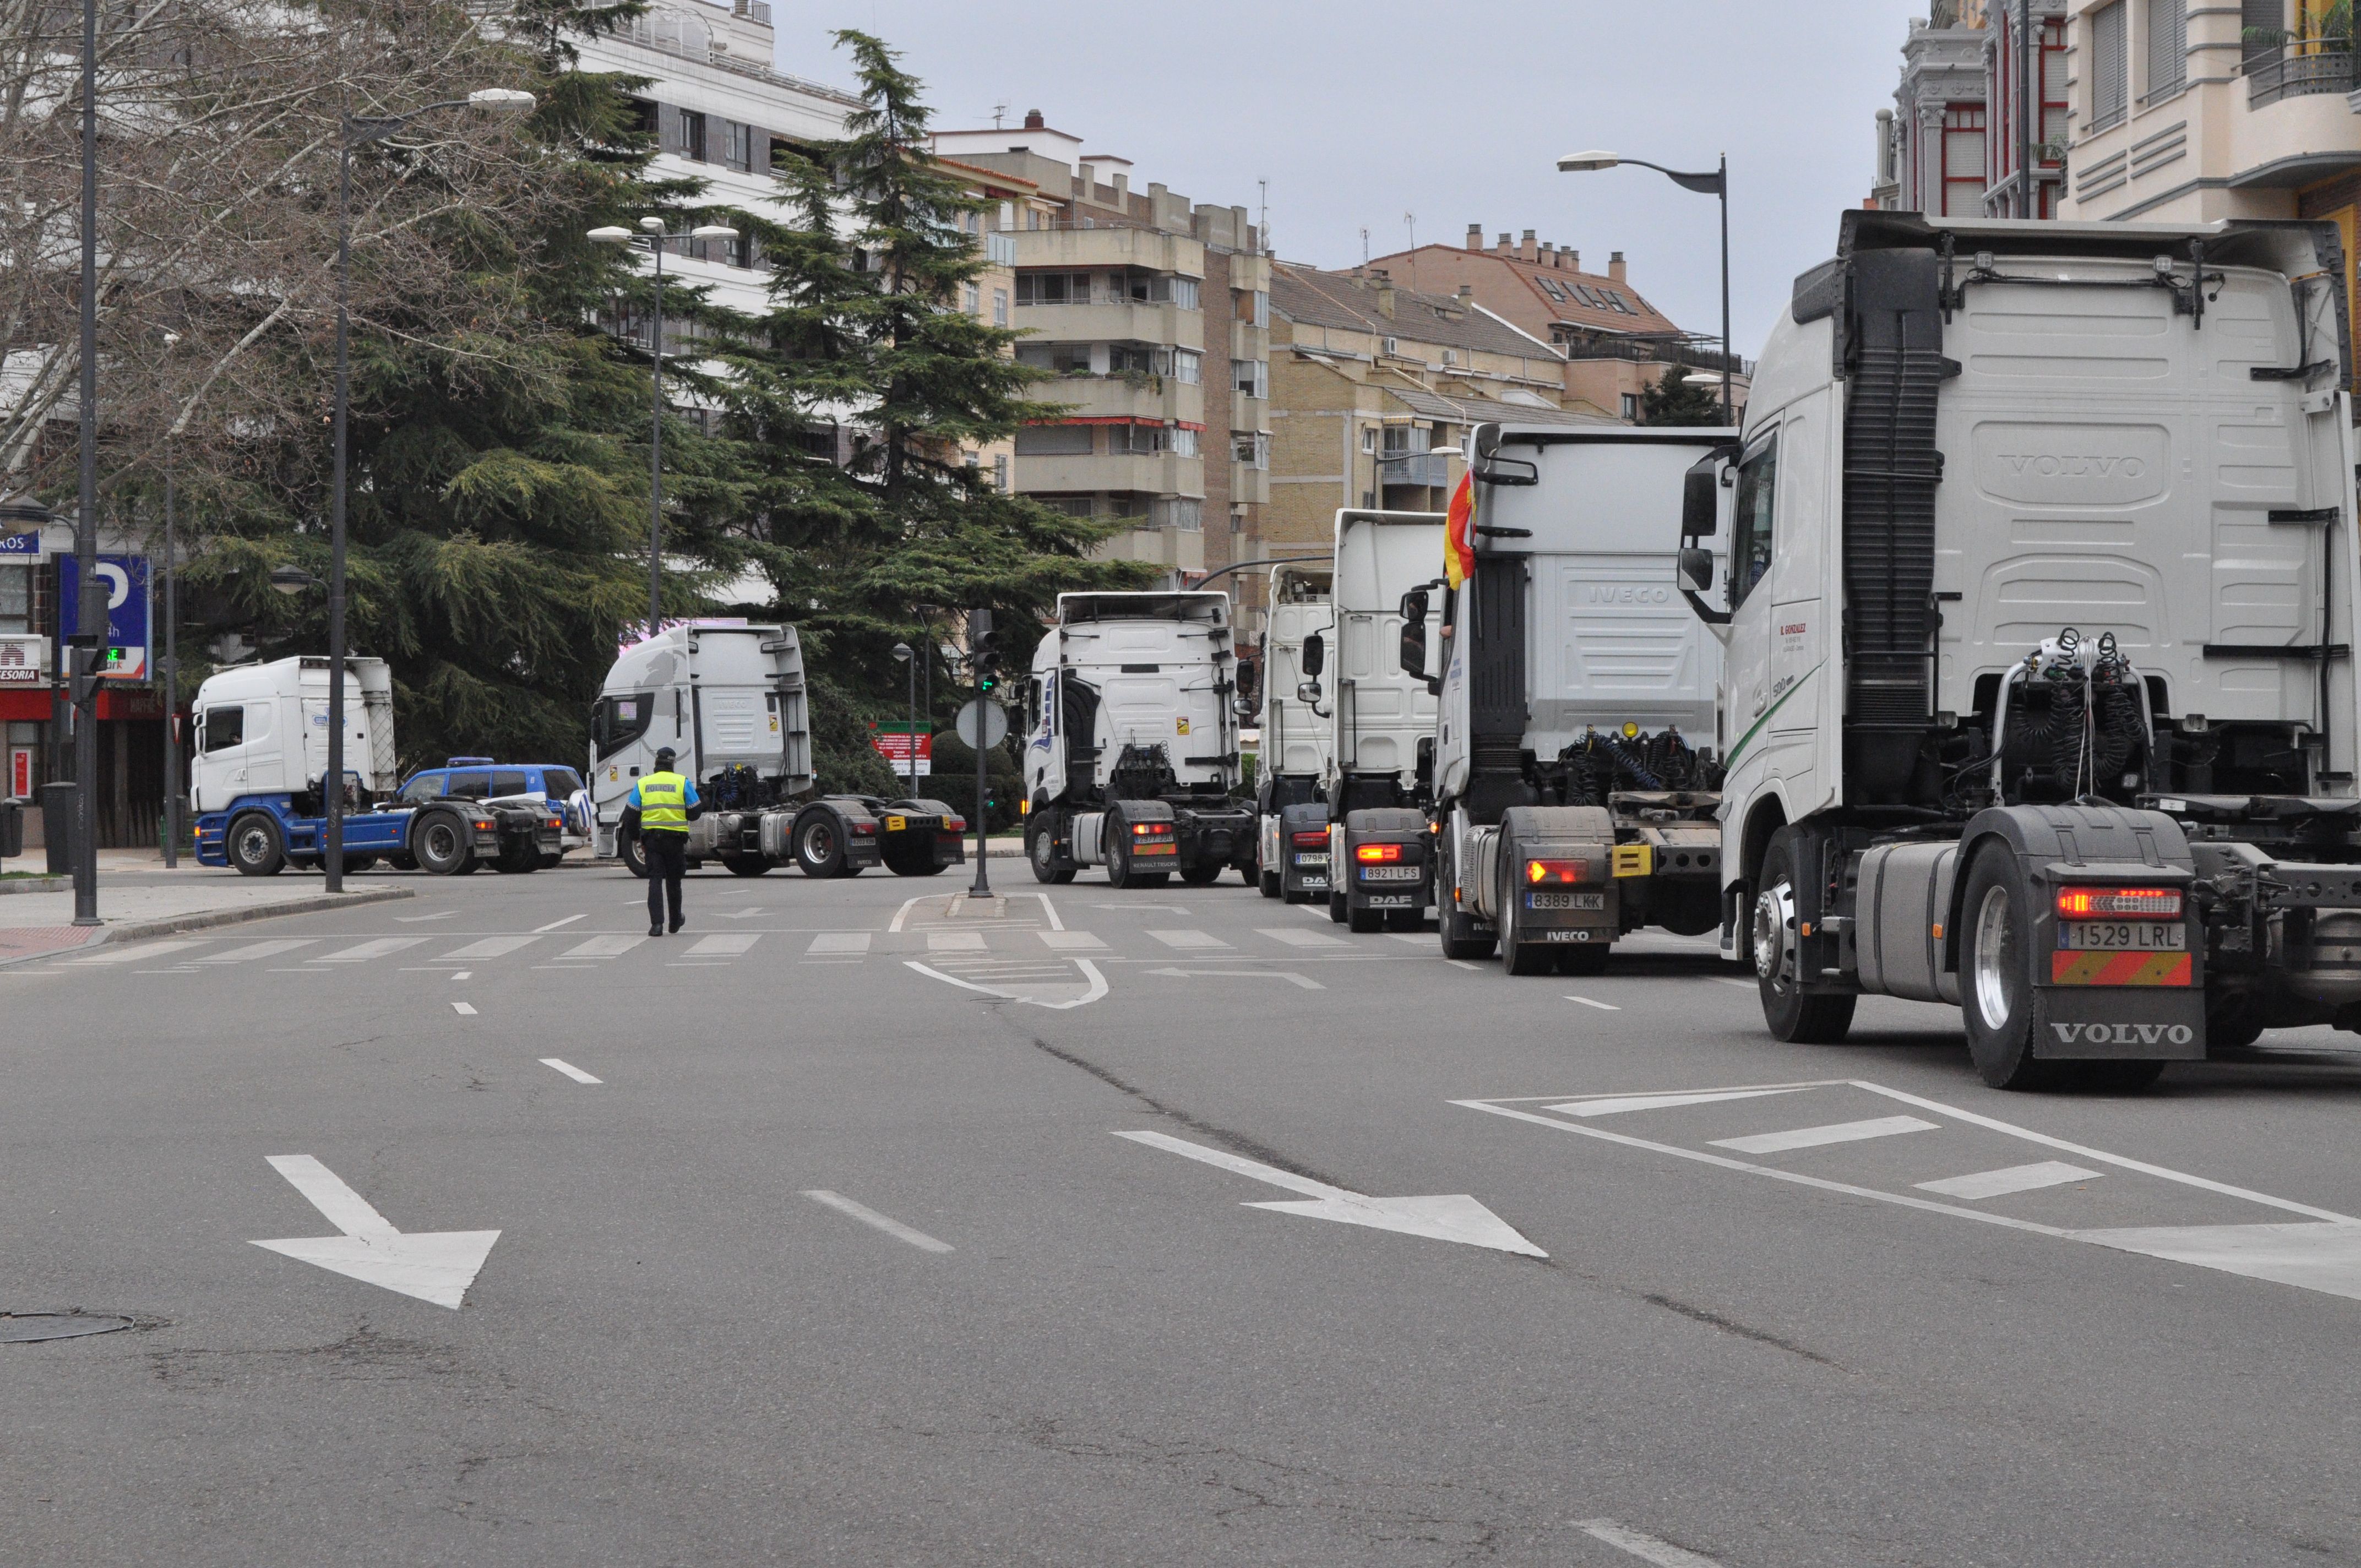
point(1250, 874)
point(1582, 958)
point(2231, 1027)
point(1461, 940)
point(819, 848)
point(903, 858)
point(551, 862)
point(1517, 956)
point(255, 847)
point(356, 864)
point(1268, 882)
point(441, 845)
point(1787, 1011)
point(1336, 906)
point(2002, 1008)
point(1202, 875)
point(746, 865)
point(634, 859)
point(512, 861)
point(1041, 852)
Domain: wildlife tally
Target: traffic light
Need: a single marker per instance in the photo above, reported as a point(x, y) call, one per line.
point(984, 647)
point(987, 673)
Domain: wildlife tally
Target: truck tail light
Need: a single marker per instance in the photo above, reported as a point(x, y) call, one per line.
point(1151, 829)
point(484, 823)
point(956, 824)
point(864, 828)
point(1541, 871)
point(1318, 840)
point(1377, 854)
point(2119, 903)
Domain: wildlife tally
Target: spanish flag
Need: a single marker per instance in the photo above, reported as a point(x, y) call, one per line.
point(1459, 533)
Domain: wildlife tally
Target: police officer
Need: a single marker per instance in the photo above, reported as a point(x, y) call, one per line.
point(660, 808)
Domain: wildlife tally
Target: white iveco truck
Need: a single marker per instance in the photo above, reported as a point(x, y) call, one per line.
point(1573, 801)
point(727, 699)
point(1290, 806)
point(2041, 603)
point(1381, 722)
point(1131, 747)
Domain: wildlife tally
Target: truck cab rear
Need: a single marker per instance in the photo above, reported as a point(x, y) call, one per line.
point(2042, 571)
point(1290, 800)
point(1573, 799)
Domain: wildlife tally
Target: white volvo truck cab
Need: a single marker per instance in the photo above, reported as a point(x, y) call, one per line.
point(1131, 741)
point(2040, 600)
point(1381, 723)
point(1291, 805)
point(1574, 767)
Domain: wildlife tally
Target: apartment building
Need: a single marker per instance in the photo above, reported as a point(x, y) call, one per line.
point(1957, 140)
point(1613, 345)
point(1153, 314)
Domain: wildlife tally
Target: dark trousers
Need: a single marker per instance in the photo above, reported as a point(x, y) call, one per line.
point(667, 858)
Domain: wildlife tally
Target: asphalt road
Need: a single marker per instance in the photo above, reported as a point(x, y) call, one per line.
point(1004, 1334)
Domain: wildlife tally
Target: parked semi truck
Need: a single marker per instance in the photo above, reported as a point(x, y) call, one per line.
point(1381, 720)
point(1572, 800)
point(257, 781)
point(727, 699)
point(1291, 805)
point(2040, 623)
point(1131, 750)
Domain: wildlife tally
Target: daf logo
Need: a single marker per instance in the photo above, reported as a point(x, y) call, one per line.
point(2124, 1034)
point(2074, 465)
point(1596, 594)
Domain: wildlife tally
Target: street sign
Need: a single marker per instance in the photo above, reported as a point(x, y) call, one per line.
point(895, 745)
point(996, 723)
point(126, 577)
point(20, 544)
point(20, 661)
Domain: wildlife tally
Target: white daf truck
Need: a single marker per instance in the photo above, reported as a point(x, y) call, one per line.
point(727, 699)
point(1380, 722)
point(2040, 603)
point(1131, 741)
point(1574, 769)
point(1291, 860)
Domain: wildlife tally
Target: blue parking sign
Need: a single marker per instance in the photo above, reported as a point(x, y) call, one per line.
point(126, 577)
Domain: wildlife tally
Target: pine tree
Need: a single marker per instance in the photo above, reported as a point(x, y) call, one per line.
point(1674, 402)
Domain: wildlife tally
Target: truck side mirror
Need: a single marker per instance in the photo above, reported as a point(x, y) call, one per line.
point(1700, 499)
point(1413, 634)
point(1249, 679)
point(1696, 569)
point(1423, 770)
point(1315, 655)
point(1308, 693)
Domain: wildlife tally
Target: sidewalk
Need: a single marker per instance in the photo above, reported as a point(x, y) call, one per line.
point(137, 898)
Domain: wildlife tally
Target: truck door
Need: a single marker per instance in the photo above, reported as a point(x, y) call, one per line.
point(1751, 627)
point(1798, 642)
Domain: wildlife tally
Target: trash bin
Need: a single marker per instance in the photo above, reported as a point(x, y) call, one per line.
point(60, 818)
point(12, 828)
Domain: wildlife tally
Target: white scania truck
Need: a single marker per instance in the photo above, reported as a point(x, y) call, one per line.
point(1290, 808)
point(1381, 721)
point(2040, 687)
point(1574, 773)
point(1131, 741)
point(727, 699)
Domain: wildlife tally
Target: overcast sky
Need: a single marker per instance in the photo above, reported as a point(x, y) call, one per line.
point(1357, 114)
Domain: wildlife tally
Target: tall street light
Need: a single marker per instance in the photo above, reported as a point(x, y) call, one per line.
point(171, 670)
point(92, 616)
point(652, 230)
point(1715, 183)
point(904, 654)
point(361, 131)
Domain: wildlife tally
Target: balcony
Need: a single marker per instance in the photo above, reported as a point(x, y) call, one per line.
point(1249, 414)
point(1248, 341)
point(1166, 327)
point(1250, 486)
point(1182, 549)
point(1429, 468)
point(1153, 474)
point(1100, 248)
point(1159, 398)
point(2307, 75)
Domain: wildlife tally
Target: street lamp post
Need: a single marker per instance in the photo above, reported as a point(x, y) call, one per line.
point(652, 230)
point(1715, 183)
point(360, 132)
point(904, 654)
point(92, 616)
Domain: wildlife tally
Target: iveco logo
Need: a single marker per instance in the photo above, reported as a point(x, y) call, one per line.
point(2074, 465)
point(2124, 1034)
point(1593, 592)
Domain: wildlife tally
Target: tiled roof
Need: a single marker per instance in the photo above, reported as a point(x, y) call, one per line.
point(1583, 298)
point(1314, 298)
point(1483, 410)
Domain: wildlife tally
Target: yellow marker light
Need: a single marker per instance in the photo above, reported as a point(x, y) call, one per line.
point(1630, 731)
point(1634, 860)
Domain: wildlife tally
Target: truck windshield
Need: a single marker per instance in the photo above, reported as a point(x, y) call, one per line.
point(225, 727)
point(618, 722)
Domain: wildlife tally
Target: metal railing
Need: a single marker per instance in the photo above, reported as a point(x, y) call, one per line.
point(1416, 468)
point(1658, 351)
point(2298, 76)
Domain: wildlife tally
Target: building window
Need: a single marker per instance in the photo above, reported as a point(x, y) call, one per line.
point(1451, 357)
point(1000, 472)
point(1963, 162)
point(2167, 48)
point(972, 299)
point(738, 145)
point(1251, 306)
point(2110, 83)
point(1068, 506)
point(1053, 289)
point(692, 135)
point(1054, 440)
point(1183, 440)
point(1180, 512)
point(1549, 287)
point(1253, 378)
point(1000, 307)
point(1188, 366)
point(15, 598)
point(1631, 407)
point(1251, 449)
point(2263, 27)
point(1007, 215)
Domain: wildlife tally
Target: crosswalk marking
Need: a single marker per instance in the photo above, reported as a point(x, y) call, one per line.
point(569, 1069)
point(605, 947)
point(717, 946)
point(954, 941)
point(1296, 937)
point(367, 951)
point(1608, 1105)
point(124, 955)
point(1189, 941)
point(257, 950)
point(2010, 1179)
point(1835, 1133)
point(1419, 940)
point(839, 942)
point(1072, 941)
point(491, 947)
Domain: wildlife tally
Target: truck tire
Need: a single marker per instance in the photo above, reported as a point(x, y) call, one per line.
point(256, 845)
point(1202, 875)
point(1120, 874)
point(1269, 883)
point(746, 865)
point(1519, 957)
point(356, 864)
point(1789, 1012)
point(2002, 1008)
point(819, 847)
point(442, 845)
point(627, 849)
point(513, 860)
point(1250, 874)
point(1337, 906)
point(1041, 851)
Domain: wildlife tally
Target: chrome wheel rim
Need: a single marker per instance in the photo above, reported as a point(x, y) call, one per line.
point(819, 844)
point(1990, 966)
point(441, 843)
point(1773, 908)
point(253, 845)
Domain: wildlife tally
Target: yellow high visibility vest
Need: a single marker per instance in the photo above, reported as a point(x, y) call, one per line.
point(663, 803)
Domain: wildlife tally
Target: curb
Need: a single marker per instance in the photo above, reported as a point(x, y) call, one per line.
point(33, 884)
point(201, 920)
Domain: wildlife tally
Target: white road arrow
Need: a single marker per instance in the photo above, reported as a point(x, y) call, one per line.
point(1455, 1217)
point(436, 1265)
point(1304, 983)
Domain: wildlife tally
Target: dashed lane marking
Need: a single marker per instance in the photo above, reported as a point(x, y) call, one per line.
point(555, 923)
point(1644, 1547)
point(2011, 1178)
point(463, 1009)
point(1602, 1006)
point(1834, 1133)
point(438, 914)
point(872, 1218)
point(570, 1070)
